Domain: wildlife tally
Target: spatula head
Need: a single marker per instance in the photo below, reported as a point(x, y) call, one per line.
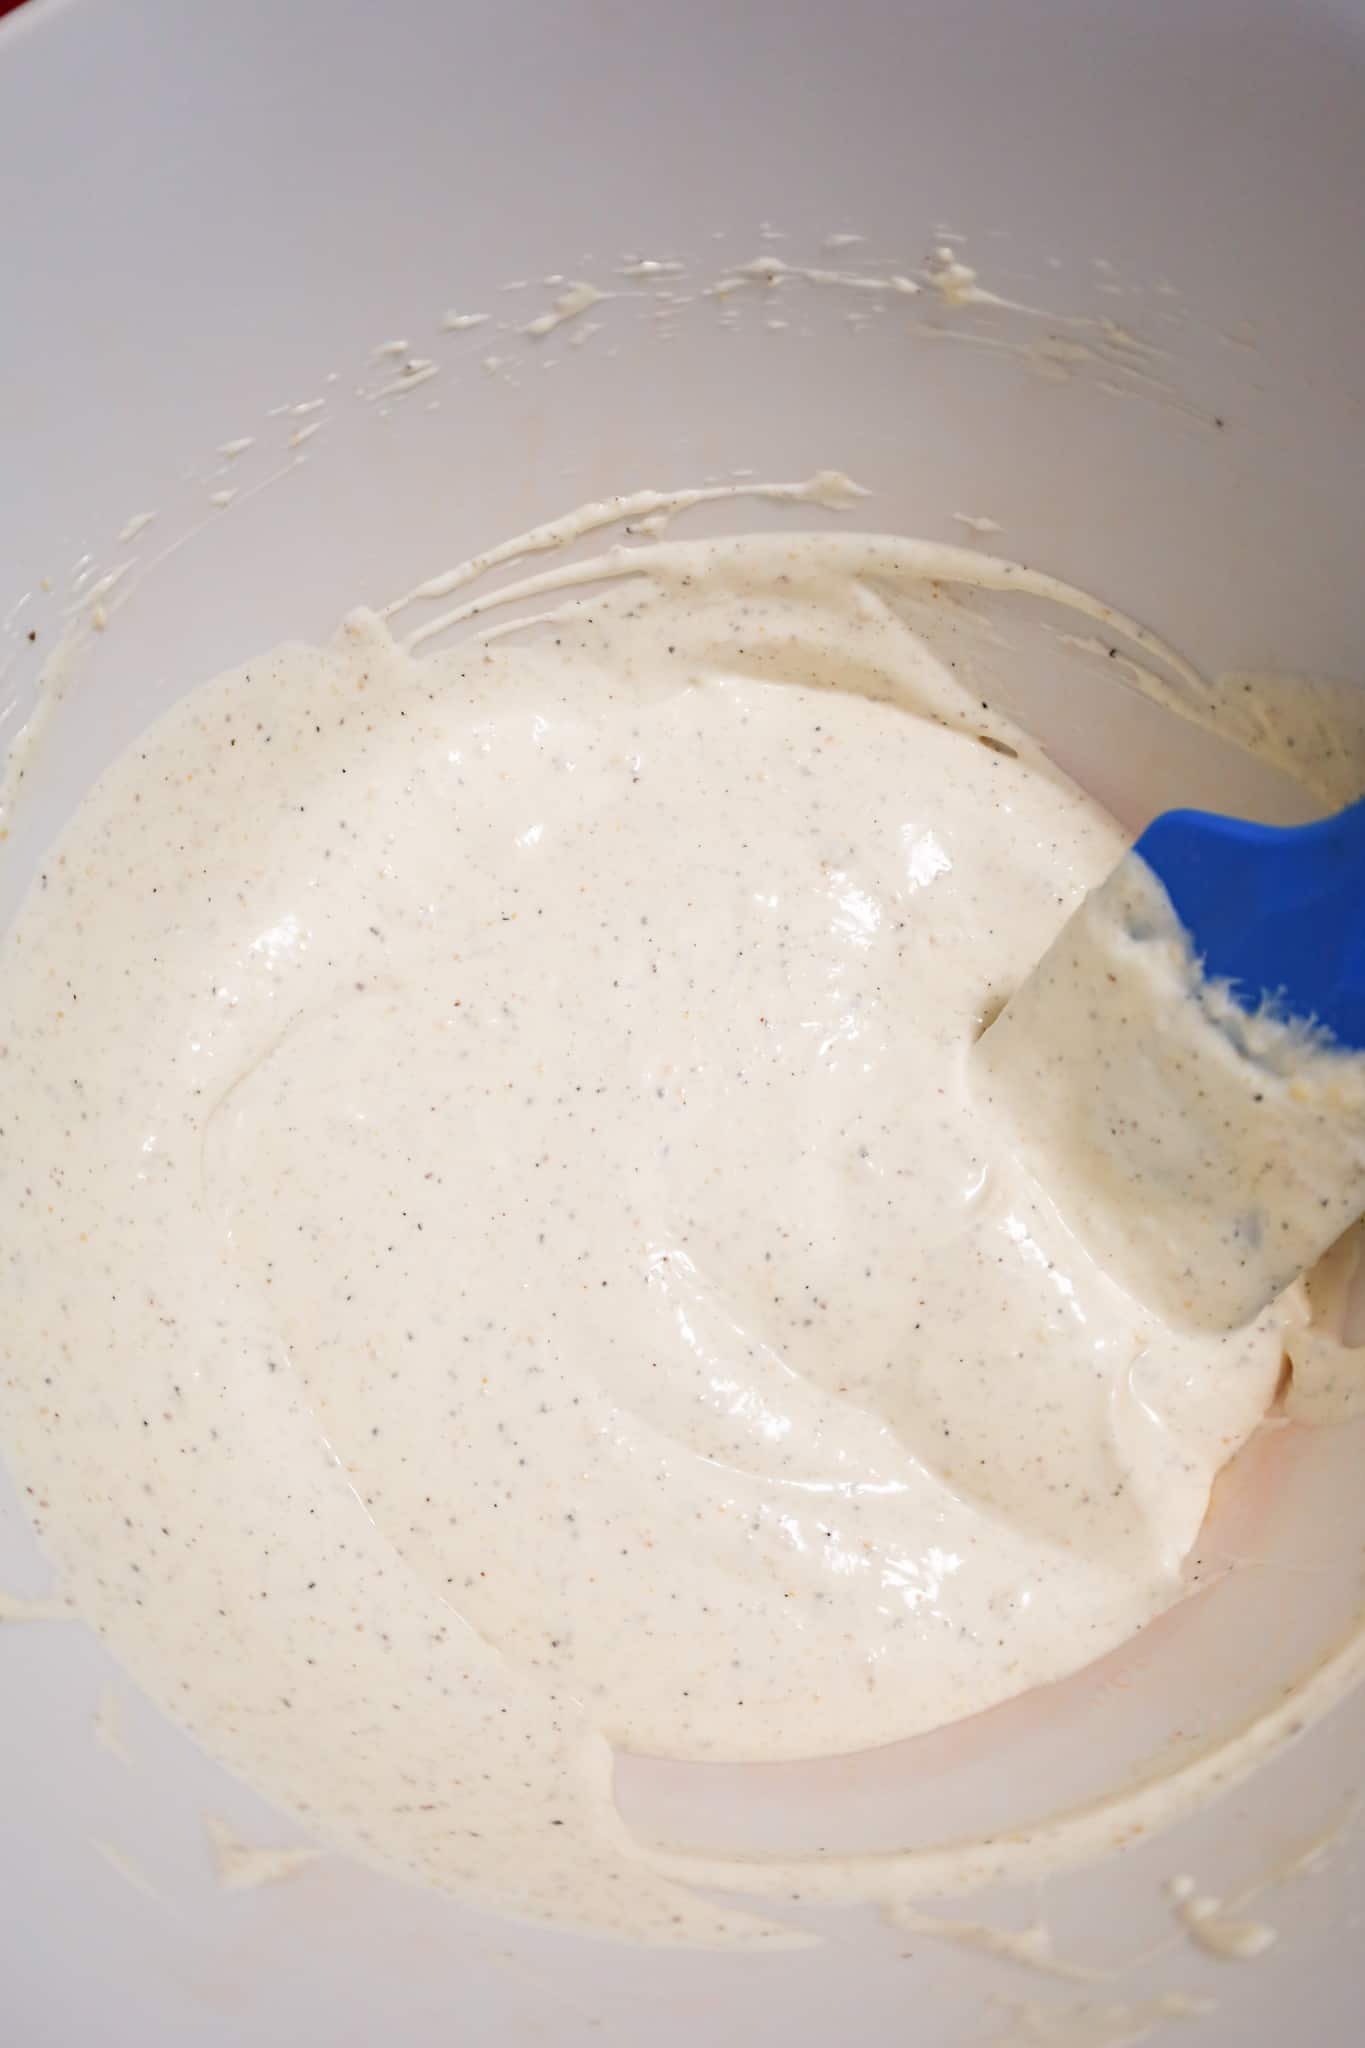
point(1277, 912)
point(1203, 1145)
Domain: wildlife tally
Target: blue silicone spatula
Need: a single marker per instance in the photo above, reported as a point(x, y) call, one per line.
point(1276, 911)
point(1184, 1070)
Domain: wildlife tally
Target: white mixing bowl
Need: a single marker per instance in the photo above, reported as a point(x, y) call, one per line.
point(213, 217)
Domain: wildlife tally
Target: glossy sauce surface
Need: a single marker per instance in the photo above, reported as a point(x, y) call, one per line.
point(505, 1255)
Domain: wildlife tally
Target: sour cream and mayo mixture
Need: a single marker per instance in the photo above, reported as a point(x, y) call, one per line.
point(504, 1258)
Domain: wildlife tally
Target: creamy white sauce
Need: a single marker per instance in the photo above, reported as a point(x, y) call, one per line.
point(506, 1257)
point(246, 1866)
point(567, 306)
point(138, 524)
point(1211, 1927)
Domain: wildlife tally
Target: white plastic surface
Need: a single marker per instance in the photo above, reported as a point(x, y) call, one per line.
point(208, 210)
